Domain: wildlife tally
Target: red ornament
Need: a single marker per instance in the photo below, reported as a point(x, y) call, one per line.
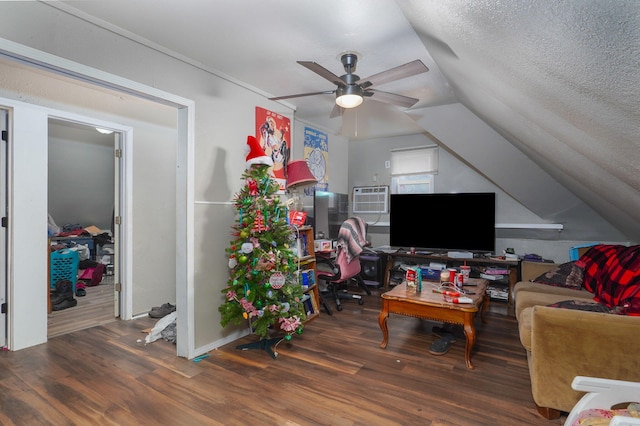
point(258, 223)
point(253, 187)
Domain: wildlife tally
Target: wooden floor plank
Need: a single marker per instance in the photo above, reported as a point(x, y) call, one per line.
point(335, 373)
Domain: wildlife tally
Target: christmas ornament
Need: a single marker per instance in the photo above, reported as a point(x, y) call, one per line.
point(287, 337)
point(253, 187)
point(242, 259)
point(247, 248)
point(277, 280)
point(258, 223)
point(232, 262)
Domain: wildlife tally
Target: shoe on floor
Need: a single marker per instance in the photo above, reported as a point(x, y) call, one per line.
point(444, 332)
point(65, 304)
point(162, 311)
point(81, 292)
point(166, 306)
point(441, 346)
point(57, 298)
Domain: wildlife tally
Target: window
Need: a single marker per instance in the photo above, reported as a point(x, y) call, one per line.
point(412, 184)
point(413, 169)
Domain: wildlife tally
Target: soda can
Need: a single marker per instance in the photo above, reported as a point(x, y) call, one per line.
point(459, 280)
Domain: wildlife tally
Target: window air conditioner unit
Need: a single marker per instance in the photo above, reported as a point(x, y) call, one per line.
point(371, 199)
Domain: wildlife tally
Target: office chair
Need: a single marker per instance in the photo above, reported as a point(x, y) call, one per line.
point(344, 269)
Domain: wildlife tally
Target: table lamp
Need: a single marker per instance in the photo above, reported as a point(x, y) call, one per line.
point(298, 177)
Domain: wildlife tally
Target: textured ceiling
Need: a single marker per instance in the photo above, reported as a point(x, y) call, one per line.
point(559, 80)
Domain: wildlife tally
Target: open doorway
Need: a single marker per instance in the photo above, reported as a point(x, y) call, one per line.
point(83, 171)
point(156, 261)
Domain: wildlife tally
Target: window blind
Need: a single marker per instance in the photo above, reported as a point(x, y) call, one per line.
point(407, 161)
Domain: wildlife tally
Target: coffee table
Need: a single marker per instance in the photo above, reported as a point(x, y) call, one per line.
point(432, 306)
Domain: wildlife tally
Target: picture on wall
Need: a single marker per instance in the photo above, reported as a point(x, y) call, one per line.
point(316, 152)
point(273, 131)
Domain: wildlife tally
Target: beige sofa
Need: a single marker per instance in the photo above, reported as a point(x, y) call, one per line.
point(564, 343)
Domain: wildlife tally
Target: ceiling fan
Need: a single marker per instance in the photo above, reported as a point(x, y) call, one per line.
point(351, 89)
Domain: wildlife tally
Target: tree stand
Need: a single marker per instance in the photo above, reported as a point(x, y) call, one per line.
point(268, 345)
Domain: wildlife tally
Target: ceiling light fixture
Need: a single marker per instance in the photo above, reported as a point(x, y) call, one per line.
point(104, 131)
point(349, 96)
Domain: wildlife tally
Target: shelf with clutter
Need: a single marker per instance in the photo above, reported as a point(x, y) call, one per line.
point(502, 274)
point(306, 271)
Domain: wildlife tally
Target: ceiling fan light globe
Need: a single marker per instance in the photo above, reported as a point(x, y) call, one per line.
point(349, 101)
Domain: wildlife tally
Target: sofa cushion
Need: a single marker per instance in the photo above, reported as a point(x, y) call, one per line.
point(567, 275)
point(528, 293)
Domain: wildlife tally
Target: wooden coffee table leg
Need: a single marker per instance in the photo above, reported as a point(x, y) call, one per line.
point(470, 334)
point(485, 306)
point(382, 321)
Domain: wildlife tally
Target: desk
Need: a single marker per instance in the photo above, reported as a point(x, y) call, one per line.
point(432, 306)
point(424, 259)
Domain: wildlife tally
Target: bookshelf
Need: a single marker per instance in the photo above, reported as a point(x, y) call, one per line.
point(306, 271)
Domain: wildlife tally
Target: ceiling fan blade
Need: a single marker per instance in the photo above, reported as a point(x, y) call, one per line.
point(336, 111)
point(322, 72)
point(300, 95)
point(392, 98)
point(393, 74)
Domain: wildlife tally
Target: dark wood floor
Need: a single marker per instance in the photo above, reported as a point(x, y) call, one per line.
point(333, 374)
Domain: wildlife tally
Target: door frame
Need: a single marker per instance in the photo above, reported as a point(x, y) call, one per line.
point(123, 202)
point(185, 109)
point(4, 251)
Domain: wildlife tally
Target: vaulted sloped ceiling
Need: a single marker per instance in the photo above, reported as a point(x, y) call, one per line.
point(558, 80)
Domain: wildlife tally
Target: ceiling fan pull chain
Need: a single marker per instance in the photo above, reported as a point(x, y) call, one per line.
point(356, 123)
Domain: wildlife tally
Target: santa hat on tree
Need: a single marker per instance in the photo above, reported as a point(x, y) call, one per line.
point(255, 154)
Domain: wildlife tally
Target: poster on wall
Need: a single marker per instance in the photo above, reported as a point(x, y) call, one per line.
point(316, 152)
point(273, 130)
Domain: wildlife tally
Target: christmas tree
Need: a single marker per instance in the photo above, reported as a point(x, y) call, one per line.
point(262, 287)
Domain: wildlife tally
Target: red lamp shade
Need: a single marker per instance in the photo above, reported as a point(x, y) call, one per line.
point(299, 176)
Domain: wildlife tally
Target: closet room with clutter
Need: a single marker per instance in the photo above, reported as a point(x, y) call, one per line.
point(81, 210)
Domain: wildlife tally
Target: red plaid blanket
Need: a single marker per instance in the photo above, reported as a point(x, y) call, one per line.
point(612, 274)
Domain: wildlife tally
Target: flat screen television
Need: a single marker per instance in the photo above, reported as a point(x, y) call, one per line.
point(330, 210)
point(443, 222)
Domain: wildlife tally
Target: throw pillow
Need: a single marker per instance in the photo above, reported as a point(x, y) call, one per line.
point(581, 305)
point(566, 275)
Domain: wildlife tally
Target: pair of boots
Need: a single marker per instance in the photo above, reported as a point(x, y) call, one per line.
point(62, 296)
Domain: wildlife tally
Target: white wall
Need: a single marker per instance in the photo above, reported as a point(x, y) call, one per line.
point(81, 175)
point(224, 117)
point(455, 175)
